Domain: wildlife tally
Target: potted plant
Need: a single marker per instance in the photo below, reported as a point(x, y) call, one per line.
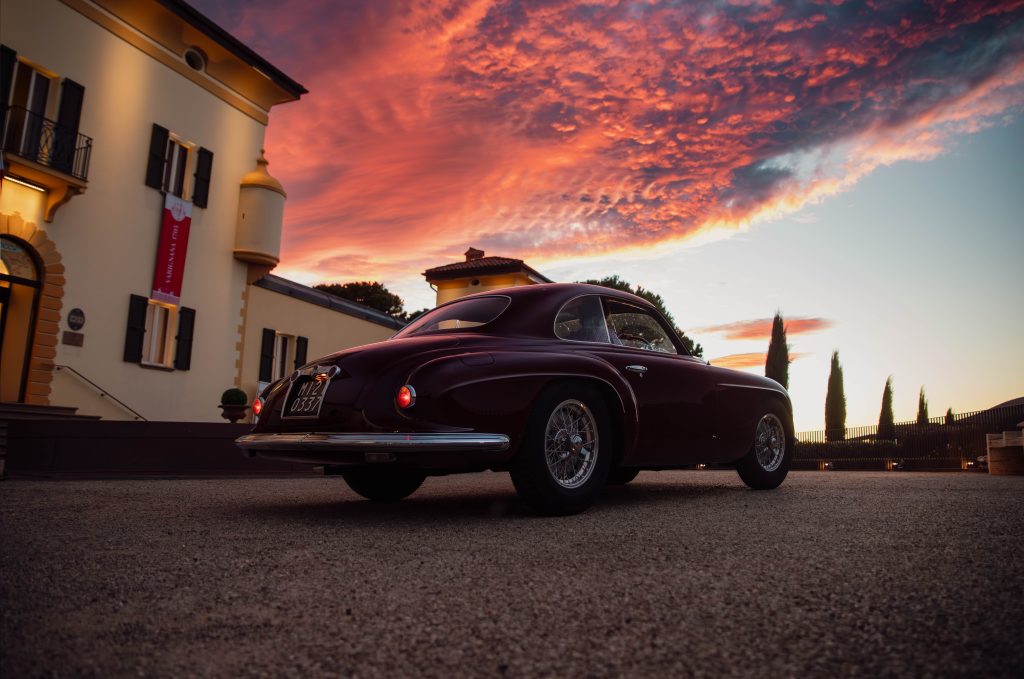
point(233, 404)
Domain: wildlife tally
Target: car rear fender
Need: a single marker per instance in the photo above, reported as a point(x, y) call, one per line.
point(499, 388)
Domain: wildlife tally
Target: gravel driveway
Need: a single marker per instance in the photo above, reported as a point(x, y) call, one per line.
point(679, 573)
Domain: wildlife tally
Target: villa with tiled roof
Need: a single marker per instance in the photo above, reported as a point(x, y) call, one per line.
point(478, 273)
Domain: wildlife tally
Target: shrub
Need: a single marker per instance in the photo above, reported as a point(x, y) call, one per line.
point(234, 397)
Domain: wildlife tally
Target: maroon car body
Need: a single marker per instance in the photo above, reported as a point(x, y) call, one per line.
point(475, 390)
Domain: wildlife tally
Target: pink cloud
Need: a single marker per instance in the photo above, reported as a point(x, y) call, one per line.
point(750, 360)
point(761, 328)
point(551, 130)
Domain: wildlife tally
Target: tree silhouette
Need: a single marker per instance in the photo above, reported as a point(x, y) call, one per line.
point(922, 408)
point(835, 403)
point(776, 365)
point(367, 293)
point(617, 283)
point(949, 416)
point(886, 424)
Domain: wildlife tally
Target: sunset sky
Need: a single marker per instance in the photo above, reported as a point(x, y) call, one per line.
point(858, 165)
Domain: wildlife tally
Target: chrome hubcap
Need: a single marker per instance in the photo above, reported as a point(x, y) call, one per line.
point(770, 442)
point(570, 443)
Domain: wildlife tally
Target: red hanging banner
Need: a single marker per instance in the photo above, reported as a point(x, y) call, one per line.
point(170, 254)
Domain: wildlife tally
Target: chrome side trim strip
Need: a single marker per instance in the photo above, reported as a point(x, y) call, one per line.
point(362, 442)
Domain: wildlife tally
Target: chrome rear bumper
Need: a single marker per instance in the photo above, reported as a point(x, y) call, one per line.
point(365, 443)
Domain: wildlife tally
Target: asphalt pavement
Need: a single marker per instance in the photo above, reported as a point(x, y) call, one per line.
point(678, 574)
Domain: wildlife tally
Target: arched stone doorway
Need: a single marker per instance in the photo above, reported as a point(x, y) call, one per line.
point(19, 302)
point(31, 292)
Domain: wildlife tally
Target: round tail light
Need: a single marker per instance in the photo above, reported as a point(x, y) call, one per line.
point(257, 406)
point(406, 396)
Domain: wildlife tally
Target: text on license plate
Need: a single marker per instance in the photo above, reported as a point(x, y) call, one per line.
point(307, 400)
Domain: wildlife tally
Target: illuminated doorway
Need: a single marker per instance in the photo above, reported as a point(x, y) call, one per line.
point(19, 301)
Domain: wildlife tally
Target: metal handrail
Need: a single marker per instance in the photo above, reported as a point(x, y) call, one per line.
point(103, 392)
point(44, 141)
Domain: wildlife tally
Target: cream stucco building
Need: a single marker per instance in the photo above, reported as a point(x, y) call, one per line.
point(138, 219)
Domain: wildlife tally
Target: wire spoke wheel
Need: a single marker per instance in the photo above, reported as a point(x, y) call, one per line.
point(571, 443)
point(770, 442)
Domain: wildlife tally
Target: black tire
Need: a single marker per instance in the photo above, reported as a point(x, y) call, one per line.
point(620, 476)
point(768, 470)
point(383, 486)
point(532, 476)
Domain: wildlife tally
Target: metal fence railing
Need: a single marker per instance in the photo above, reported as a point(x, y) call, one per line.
point(33, 137)
point(953, 443)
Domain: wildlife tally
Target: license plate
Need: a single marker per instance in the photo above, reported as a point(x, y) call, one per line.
point(306, 395)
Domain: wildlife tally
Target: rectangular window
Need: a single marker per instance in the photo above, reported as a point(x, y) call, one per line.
point(161, 321)
point(31, 89)
point(634, 327)
point(159, 334)
point(179, 167)
point(176, 161)
point(284, 356)
point(29, 108)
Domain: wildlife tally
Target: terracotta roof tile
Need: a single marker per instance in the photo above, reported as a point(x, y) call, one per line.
point(483, 266)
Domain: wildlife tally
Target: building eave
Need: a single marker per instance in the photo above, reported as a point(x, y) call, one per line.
point(517, 267)
point(234, 45)
point(167, 29)
point(326, 300)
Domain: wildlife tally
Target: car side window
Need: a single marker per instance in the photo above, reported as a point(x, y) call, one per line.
point(582, 320)
point(634, 327)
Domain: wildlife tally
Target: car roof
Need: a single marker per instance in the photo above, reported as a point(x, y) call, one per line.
point(533, 307)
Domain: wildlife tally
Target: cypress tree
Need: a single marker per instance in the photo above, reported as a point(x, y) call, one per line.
point(949, 416)
point(886, 424)
point(835, 403)
point(776, 366)
point(922, 408)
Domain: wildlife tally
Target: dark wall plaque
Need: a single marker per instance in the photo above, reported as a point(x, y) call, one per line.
point(74, 339)
point(76, 319)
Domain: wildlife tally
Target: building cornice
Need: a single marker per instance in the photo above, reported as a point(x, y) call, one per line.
point(164, 30)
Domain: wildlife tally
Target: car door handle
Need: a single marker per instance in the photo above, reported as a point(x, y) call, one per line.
point(638, 369)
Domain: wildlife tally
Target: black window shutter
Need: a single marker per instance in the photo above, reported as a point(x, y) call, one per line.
point(183, 348)
point(300, 351)
point(157, 157)
point(71, 96)
point(136, 332)
point(68, 116)
point(8, 59)
point(204, 169)
point(267, 355)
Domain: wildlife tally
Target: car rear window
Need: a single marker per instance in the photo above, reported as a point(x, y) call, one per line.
point(467, 313)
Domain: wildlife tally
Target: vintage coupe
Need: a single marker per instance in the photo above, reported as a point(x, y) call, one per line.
point(566, 386)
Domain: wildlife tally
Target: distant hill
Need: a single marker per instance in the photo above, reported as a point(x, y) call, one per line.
point(1012, 402)
point(1004, 416)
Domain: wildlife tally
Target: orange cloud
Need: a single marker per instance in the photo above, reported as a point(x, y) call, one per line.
point(752, 360)
point(761, 328)
point(554, 130)
point(756, 359)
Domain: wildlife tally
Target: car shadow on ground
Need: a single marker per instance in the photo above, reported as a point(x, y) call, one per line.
point(485, 504)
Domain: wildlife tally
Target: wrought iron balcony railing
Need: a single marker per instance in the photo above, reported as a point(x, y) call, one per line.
point(41, 140)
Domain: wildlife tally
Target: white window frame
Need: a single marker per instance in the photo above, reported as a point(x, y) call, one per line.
point(179, 154)
point(161, 328)
point(37, 70)
point(37, 75)
point(284, 356)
